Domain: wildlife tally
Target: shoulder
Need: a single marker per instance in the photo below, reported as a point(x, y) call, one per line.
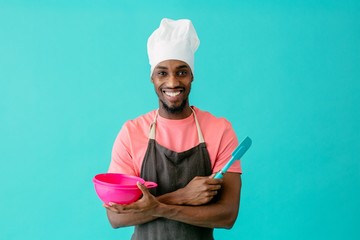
point(140, 122)
point(206, 118)
point(137, 127)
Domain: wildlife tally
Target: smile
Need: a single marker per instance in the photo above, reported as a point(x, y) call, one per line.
point(172, 92)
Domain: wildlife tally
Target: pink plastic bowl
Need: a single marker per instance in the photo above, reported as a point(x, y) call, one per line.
point(119, 188)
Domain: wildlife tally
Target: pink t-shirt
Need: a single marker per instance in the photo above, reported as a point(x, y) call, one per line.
point(177, 135)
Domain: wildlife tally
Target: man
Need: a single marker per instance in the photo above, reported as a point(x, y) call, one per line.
point(179, 147)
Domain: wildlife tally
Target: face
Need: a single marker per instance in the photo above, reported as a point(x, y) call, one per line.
point(172, 81)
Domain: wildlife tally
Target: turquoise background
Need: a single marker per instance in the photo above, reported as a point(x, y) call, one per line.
point(286, 73)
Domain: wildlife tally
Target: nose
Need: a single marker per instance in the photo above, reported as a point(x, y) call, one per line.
point(172, 81)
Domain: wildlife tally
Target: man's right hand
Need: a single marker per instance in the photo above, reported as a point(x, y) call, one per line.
point(199, 191)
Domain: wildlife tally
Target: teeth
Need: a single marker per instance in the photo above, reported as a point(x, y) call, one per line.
point(172, 94)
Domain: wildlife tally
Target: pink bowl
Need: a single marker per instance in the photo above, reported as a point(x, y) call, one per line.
point(119, 188)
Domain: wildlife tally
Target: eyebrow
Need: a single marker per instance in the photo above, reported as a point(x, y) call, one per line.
point(161, 67)
point(178, 67)
point(182, 66)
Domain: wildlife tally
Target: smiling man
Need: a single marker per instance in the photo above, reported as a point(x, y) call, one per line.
point(179, 147)
point(172, 81)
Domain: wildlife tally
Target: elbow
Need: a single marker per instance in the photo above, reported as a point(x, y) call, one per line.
point(229, 219)
point(118, 224)
point(115, 221)
point(115, 225)
point(229, 223)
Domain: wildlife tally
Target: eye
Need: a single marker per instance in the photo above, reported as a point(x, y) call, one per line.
point(182, 73)
point(161, 73)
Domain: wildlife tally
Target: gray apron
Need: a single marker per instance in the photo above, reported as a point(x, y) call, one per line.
point(171, 171)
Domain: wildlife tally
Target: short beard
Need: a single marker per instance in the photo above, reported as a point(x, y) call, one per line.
point(174, 110)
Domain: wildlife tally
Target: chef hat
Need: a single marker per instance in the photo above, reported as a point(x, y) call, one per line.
point(174, 39)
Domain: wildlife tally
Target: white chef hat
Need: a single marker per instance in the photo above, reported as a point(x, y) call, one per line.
point(174, 39)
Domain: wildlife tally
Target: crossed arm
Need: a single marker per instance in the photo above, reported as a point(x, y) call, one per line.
point(191, 204)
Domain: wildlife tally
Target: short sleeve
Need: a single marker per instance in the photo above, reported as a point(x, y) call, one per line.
point(228, 144)
point(121, 159)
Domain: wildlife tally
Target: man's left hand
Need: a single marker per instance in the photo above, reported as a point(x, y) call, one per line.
point(147, 203)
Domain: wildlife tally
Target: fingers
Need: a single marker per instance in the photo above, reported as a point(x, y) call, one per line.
point(119, 208)
point(213, 181)
point(214, 187)
point(144, 189)
point(112, 207)
point(213, 193)
point(212, 175)
point(141, 187)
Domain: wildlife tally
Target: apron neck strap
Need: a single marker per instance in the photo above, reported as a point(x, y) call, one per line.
point(201, 137)
point(153, 125)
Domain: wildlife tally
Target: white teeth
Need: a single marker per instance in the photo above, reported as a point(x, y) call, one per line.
point(172, 94)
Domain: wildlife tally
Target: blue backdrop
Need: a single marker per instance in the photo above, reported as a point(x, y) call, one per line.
point(286, 73)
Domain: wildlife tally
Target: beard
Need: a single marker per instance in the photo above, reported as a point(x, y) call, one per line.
point(176, 109)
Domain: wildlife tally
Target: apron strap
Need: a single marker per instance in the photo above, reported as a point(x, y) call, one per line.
point(153, 124)
point(201, 138)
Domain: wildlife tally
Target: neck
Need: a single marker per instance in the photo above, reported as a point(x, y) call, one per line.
point(184, 113)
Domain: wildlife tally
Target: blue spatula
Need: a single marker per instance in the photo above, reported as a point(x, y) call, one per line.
point(237, 154)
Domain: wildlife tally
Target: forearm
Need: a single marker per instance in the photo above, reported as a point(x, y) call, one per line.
point(210, 216)
point(173, 198)
point(219, 214)
point(118, 220)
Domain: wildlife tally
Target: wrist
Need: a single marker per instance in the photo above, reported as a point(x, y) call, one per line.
point(164, 210)
point(173, 198)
